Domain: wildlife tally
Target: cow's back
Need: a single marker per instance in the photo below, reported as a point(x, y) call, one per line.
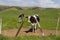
point(33, 19)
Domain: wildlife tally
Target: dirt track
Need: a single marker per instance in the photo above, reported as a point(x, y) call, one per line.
point(12, 32)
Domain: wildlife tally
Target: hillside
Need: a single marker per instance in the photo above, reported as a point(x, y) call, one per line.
point(48, 17)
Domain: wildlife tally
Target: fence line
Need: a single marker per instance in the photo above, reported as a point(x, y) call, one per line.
point(0, 24)
point(57, 25)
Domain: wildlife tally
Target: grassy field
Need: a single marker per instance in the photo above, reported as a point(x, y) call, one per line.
point(48, 17)
point(48, 20)
point(49, 37)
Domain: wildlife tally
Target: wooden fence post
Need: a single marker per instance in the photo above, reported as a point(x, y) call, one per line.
point(0, 24)
point(57, 25)
point(21, 16)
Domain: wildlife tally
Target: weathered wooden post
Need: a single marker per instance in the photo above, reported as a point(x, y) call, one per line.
point(57, 25)
point(21, 22)
point(40, 27)
point(0, 24)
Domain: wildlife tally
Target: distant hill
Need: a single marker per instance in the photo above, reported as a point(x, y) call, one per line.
point(2, 7)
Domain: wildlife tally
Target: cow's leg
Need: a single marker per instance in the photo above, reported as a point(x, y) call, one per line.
point(33, 26)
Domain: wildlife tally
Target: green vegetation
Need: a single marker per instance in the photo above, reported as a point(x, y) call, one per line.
point(48, 17)
point(50, 37)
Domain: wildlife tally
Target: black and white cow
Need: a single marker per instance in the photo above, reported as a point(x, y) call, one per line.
point(34, 20)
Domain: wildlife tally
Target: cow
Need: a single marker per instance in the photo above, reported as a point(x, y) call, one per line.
point(34, 20)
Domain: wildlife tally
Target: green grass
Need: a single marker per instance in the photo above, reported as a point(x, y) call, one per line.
point(50, 37)
point(48, 18)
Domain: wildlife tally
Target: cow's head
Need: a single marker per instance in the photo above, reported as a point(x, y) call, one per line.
point(21, 15)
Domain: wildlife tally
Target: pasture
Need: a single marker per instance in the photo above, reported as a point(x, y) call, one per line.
point(48, 17)
point(48, 20)
point(50, 37)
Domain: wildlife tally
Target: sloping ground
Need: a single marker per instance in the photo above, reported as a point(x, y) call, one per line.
point(10, 17)
point(12, 32)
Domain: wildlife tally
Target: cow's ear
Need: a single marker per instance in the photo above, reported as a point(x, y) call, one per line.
point(21, 15)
